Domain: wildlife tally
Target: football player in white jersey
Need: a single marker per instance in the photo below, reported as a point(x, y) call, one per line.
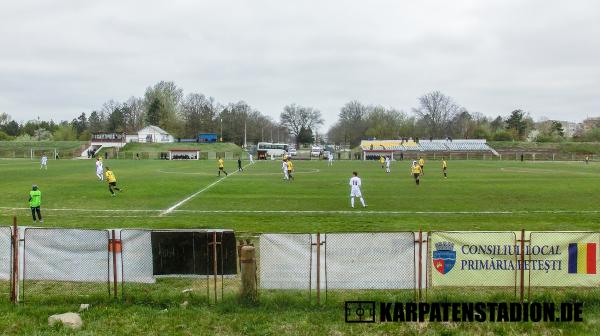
point(99, 169)
point(355, 184)
point(44, 162)
point(284, 166)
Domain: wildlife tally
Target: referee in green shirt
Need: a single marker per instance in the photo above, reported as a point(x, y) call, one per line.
point(35, 201)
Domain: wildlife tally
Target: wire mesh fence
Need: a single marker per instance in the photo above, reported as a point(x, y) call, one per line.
point(203, 266)
point(62, 265)
point(5, 263)
point(285, 263)
point(460, 260)
point(361, 265)
point(563, 259)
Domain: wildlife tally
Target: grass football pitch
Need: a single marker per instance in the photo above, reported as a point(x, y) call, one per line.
point(477, 195)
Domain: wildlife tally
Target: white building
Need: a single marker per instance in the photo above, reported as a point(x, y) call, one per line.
point(154, 134)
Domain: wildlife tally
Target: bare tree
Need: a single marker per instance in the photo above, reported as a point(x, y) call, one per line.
point(134, 114)
point(353, 121)
point(296, 117)
point(198, 113)
point(436, 110)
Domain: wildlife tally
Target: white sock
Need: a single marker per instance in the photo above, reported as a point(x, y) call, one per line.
point(352, 201)
point(362, 201)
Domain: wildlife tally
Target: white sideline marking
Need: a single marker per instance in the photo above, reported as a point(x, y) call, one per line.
point(391, 212)
point(180, 203)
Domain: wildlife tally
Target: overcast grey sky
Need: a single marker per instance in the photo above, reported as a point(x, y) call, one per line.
point(60, 58)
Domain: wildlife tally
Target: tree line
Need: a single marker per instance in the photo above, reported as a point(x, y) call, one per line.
point(164, 104)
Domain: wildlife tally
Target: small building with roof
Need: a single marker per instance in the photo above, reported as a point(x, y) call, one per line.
point(154, 134)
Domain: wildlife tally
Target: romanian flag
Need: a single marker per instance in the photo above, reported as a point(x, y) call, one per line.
point(582, 258)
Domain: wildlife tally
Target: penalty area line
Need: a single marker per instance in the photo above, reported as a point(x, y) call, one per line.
point(183, 201)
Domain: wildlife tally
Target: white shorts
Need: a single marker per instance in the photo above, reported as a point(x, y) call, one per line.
point(355, 192)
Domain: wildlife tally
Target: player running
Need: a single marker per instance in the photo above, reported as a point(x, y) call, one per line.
point(444, 167)
point(290, 169)
point(221, 166)
point(99, 169)
point(112, 182)
point(355, 184)
point(35, 201)
point(44, 162)
point(415, 170)
point(250, 158)
point(387, 164)
point(240, 169)
point(284, 167)
point(422, 165)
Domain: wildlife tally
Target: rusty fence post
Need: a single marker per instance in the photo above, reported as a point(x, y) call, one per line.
point(14, 285)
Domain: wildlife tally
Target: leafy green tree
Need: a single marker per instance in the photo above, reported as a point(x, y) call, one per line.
point(170, 97)
point(305, 136)
point(65, 132)
point(12, 128)
point(5, 137)
point(153, 114)
point(94, 122)
point(557, 128)
point(116, 121)
point(517, 124)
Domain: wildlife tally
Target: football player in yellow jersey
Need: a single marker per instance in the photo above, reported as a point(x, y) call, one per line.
point(422, 165)
point(382, 161)
point(415, 170)
point(112, 181)
point(221, 166)
point(444, 167)
point(290, 169)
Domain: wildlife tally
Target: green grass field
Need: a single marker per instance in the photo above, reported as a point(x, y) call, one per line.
point(478, 195)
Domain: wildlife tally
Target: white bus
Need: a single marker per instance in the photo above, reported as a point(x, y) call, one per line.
point(265, 150)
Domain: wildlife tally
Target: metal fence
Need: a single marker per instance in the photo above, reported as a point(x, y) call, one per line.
point(203, 266)
point(65, 264)
point(339, 265)
point(178, 265)
point(285, 262)
point(5, 263)
point(361, 265)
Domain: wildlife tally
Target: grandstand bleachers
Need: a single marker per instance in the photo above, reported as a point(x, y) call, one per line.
point(434, 145)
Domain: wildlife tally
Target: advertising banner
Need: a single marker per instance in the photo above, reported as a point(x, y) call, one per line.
point(571, 259)
point(473, 259)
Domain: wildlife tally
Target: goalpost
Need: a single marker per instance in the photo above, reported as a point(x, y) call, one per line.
point(35, 153)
